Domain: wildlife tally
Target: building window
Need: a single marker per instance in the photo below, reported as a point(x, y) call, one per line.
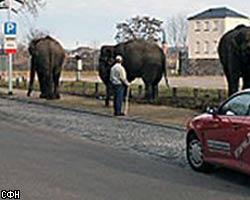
point(216, 26)
point(206, 47)
point(207, 24)
point(198, 47)
point(198, 26)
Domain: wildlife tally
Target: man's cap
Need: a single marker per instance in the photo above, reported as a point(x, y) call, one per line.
point(118, 58)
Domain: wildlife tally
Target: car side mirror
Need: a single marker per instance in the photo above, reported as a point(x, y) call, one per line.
point(212, 111)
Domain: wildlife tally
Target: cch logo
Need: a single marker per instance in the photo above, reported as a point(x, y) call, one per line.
point(10, 194)
point(10, 28)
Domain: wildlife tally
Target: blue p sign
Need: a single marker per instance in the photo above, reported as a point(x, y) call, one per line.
point(10, 28)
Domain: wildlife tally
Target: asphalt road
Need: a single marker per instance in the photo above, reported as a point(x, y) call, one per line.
point(49, 165)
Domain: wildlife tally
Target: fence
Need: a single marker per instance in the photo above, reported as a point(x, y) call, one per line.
point(194, 98)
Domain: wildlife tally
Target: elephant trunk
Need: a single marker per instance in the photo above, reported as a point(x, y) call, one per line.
point(32, 76)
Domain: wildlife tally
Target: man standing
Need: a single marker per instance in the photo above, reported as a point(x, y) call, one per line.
point(118, 78)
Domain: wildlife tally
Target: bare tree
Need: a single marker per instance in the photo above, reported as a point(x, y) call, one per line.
point(177, 36)
point(138, 27)
point(21, 59)
point(177, 31)
point(36, 34)
point(31, 6)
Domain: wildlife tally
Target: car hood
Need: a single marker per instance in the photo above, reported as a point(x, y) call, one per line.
point(199, 121)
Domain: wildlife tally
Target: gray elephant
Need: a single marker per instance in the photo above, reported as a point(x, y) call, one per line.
point(47, 58)
point(234, 54)
point(141, 60)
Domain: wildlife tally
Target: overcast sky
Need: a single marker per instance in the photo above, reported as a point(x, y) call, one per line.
point(92, 22)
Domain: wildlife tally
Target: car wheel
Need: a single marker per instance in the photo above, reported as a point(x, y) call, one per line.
point(195, 155)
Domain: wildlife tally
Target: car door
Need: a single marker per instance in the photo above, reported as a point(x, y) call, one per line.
point(229, 129)
point(242, 151)
point(216, 139)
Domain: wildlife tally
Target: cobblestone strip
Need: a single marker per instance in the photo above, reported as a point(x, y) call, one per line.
point(162, 142)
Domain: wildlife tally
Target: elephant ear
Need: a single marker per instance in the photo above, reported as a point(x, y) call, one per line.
point(32, 47)
point(110, 56)
point(238, 40)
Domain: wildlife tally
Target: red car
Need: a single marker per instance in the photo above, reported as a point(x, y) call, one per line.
point(221, 136)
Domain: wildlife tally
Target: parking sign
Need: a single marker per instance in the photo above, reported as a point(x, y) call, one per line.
point(10, 29)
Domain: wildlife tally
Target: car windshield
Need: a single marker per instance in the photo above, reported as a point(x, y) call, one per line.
point(238, 105)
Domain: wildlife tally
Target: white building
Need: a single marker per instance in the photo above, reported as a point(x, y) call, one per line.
point(206, 29)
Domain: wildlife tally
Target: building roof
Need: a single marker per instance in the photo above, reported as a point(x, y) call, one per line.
point(222, 12)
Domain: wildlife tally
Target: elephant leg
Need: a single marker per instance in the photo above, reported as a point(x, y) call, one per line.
point(149, 93)
point(56, 85)
point(233, 70)
point(146, 96)
point(246, 81)
point(155, 91)
point(49, 86)
point(233, 85)
point(41, 80)
point(246, 84)
point(108, 94)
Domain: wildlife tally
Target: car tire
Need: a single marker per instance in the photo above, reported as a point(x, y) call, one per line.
point(195, 155)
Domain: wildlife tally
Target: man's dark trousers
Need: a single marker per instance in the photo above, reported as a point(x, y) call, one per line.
point(118, 98)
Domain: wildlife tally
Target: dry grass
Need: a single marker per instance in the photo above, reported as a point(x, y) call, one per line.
point(159, 114)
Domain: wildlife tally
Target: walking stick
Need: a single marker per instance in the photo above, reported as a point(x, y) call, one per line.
point(126, 106)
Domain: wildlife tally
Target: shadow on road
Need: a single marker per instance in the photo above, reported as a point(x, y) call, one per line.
point(232, 176)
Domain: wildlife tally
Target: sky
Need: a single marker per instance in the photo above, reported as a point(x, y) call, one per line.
point(93, 22)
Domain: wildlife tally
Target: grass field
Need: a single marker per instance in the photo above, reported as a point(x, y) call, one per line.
point(196, 99)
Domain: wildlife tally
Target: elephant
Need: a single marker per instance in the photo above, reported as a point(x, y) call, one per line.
point(234, 54)
point(47, 58)
point(141, 59)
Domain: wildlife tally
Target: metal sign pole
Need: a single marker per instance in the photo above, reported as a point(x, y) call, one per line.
point(10, 75)
point(10, 55)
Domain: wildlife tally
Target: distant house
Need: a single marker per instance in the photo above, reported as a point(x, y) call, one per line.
point(204, 33)
point(88, 56)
